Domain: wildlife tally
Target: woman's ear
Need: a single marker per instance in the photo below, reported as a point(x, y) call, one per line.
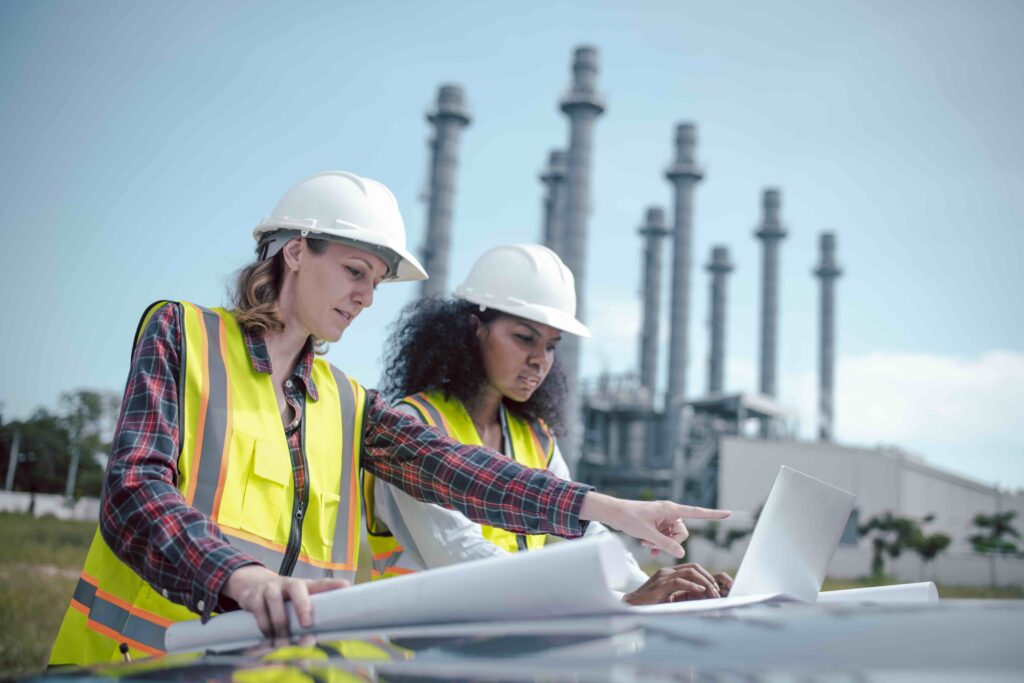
point(293, 252)
point(478, 326)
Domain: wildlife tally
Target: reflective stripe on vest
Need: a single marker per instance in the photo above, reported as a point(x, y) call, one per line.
point(531, 444)
point(235, 467)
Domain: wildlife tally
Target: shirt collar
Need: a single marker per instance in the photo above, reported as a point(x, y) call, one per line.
point(259, 356)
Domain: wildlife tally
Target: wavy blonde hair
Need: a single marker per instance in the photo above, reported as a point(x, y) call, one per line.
point(257, 288)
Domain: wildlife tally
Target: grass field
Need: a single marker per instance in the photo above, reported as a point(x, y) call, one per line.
point(39, 566)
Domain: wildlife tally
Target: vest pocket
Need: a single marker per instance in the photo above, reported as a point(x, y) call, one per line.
point(266, 504)
point(329, 516)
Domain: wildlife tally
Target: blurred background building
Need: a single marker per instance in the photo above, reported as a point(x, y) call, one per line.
point(631, 438)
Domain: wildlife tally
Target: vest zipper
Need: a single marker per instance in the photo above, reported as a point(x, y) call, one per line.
point(506, 434)
point(299, 504)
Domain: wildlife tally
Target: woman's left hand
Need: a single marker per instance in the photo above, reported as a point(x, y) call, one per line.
point(724, 582)
point(659, 523)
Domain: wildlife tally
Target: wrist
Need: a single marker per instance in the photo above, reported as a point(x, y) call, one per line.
point(597, 507)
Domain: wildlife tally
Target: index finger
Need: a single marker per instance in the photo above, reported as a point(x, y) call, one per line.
point(299, 595)
point(691, 512)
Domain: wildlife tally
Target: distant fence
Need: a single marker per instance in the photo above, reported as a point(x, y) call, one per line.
point(41, 504)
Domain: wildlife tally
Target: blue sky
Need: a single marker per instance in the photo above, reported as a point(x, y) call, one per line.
point(143, 141)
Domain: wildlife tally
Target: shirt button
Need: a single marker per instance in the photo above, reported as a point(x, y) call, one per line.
point(289, 384)
point(164, 593)
point(201, 605)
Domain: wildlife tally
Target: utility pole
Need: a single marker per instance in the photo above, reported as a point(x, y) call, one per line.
point(13, 463)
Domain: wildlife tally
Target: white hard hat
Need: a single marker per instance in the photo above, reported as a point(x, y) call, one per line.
point(341, 207)
point(526, 280)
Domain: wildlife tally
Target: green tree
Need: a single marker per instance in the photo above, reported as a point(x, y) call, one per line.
point(49, 440)
point(994, 540)
point(891, 535)
point(929, 546)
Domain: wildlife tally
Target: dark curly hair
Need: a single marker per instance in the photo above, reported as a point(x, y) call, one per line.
point(433, 345)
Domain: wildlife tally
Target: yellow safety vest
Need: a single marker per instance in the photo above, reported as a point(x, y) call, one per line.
point(235, 467)
point(532, 446)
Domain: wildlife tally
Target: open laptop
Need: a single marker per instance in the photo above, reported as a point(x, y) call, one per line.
point(794, 538)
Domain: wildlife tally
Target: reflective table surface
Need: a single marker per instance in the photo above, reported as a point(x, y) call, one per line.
point(945, 641)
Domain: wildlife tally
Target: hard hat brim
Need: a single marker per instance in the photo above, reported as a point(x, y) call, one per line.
point(406, 267)
point(545, 315)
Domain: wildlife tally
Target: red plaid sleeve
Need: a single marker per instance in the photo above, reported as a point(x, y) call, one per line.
point(143, 516)
point(487, 487)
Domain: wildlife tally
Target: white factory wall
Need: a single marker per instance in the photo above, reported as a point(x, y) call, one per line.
point(882, 480)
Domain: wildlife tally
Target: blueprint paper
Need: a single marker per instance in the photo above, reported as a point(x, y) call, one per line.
point(565, 579)
point(900, 593)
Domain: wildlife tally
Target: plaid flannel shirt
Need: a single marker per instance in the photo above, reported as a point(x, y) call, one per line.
point(182, 554)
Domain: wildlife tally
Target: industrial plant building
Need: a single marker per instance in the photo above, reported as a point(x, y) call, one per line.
point(631, 437)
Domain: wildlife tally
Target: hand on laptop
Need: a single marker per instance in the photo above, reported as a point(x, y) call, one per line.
point(724, 582)
point(682, 582)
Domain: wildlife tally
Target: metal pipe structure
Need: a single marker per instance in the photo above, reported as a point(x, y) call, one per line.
point(653, 232)
point(448, 119)
point(684, 174)
point(553, 178)
point(719, 266)
point(770, 232)
point(828, 271)
point(582, 105)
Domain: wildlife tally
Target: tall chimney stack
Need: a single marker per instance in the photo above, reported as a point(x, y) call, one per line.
point(553, 178)
point(448, 119)
point(720, 266)
point(770, 232)
point(828, 271)
point(582, 105)
point(684, 174)
point(653, 231)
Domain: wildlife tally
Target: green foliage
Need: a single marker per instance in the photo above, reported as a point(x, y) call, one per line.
point(47, 442)
point(996, 530)
point(892, 535)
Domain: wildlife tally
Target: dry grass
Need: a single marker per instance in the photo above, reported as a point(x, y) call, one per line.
point(39, 566)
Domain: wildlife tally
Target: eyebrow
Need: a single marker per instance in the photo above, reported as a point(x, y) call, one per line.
point(536, 331)
point(369, 265)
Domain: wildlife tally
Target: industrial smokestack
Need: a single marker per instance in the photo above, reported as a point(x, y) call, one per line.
point(828, 272)
point(720, 266)
point(553, 178)
point(653, 231)
point(582, 105)
point(684, 174)
point(770, 232)
point(448, 119)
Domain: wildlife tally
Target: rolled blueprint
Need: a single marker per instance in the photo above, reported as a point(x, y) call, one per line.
point(565, 579)
point(883, 595)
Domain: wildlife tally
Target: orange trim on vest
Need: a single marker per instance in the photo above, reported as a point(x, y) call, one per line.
point(279, 548)
point(121, 638)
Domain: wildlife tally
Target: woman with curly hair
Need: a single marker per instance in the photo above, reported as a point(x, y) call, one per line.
point(483, 368)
